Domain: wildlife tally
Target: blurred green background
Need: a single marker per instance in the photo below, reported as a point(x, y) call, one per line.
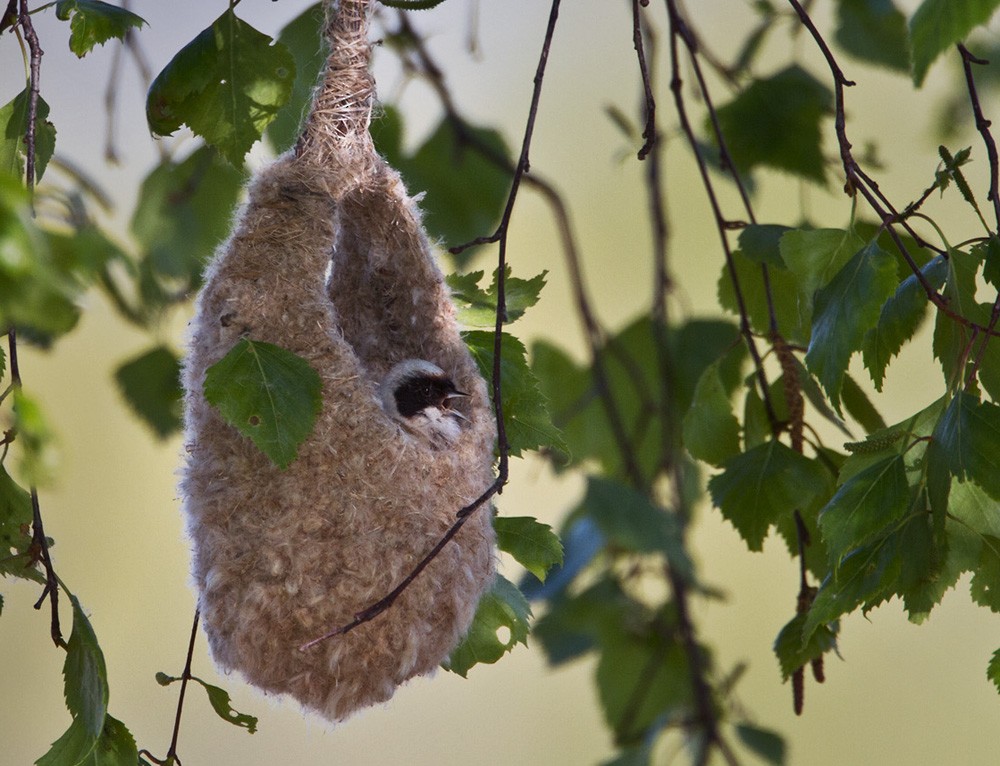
point(115, 514)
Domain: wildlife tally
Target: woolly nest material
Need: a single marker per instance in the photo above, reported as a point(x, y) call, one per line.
point(283, 556)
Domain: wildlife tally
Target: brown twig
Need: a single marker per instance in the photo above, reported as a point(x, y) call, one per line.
point(680, 30)
point(993, 195)
point(40, 545)
point(649, 130)
point(35, 67)
point(374, 610)
point(39, 542)
point(171, 756)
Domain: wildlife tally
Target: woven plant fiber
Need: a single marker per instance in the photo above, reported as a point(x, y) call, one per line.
point(328, 259)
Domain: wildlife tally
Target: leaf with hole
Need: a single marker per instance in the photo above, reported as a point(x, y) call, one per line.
point(501, 622)
point(268, 394)
point(220, 701)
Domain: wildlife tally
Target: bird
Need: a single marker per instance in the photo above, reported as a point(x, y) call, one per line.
point(419, 396)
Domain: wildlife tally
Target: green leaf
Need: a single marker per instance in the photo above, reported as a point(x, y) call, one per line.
point(532, 544)
point(226, 85)
point(501, 622)
point(761, 243)
point(220, 701)
point(151, 385)
point(938, 24)
point(525, 411)
point(787, 108)
point(844, 312)
point(901, 316)
point(873, 31)
point(761, 486)
point(864, 506)
point(268, 394)
point(86, 676)
point(642, 675)
point(35, 437)
point(114, 747)
point(94, 23)
point(794, 651)
point(711, 430)
point(184, 211)
point(477, 307)
point(985, 585)
point(14, 123)
point(892, 565)
point(35, 296)
point(792, 307)
point(951, 338)
point(860, 407)
point(993, 669)
point(575, 626)
point(465, 191)
point(969, 434)
point(303, 37)
point(74, 748)
point(768, 744)
point(630, 520)
point(816, 256)
point(15, 530)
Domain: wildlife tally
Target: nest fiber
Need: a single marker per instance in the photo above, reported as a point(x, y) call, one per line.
point(328, 259)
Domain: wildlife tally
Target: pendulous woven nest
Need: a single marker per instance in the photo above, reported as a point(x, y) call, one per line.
point(328, 259)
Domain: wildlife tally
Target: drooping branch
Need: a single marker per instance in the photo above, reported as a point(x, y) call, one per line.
point(679, 30)
point(857, 181)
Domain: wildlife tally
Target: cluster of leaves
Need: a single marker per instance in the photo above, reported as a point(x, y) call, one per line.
point(913, 506)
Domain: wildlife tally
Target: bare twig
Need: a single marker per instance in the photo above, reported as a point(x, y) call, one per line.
point(649, 131)
point(680, 30)
point(35, 68)
point(993, 195)
point(39, 542)
point(171, 756)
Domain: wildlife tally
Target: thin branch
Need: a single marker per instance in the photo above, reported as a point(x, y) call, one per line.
point(649, 131)
point(374, 610)
point(35, 64)
point(857, 181)
point(171, 756)
point(983, 126)
point(679, 29)
point(39, 542)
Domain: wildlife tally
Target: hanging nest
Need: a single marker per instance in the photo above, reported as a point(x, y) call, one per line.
point(329, 260)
